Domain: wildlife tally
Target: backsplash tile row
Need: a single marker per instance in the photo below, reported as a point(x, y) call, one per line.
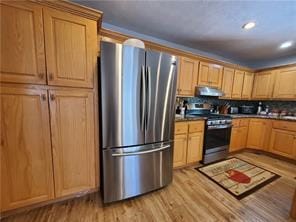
point(279, 105)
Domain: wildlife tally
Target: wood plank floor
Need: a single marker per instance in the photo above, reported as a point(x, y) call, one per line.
point(191, 197)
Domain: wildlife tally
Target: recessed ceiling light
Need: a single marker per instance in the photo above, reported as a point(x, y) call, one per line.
point(286, 44)
point(249, 25)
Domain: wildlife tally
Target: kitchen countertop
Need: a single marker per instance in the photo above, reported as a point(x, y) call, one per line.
point(180, 118)
point(234, 116)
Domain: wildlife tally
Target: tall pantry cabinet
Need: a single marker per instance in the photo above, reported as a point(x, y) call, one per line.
point(48, 101)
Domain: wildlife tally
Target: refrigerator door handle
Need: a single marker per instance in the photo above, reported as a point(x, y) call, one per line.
point(143, 98)
point(149, 95)
point(141, 152)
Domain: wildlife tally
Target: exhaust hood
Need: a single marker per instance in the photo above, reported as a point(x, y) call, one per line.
point(208, 91)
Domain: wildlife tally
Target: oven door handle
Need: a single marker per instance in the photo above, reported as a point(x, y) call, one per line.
point(224, 126)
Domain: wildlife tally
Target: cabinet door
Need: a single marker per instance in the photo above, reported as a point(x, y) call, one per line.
point(180, 150)
point(234, 139)
point(243, 135)
point(22, 43)
point(248, 85)
point(282, 142)
point(227, 83)
point(256, 134)
point(71, 44)
point(194, 148)
point(263, 85)
point(204, 73)
point(26, 161)
point(285, 83)
point(237, 84)
point(187, 76)
point(215, 76)
point(72, 125)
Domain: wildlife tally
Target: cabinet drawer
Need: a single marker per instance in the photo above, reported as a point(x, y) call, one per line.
point(285, 125)
point(235, 123)
point(181, 128)
point(196, 126)
point(244, 122)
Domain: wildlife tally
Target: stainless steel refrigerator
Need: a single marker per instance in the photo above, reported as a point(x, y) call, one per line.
point(137, 103)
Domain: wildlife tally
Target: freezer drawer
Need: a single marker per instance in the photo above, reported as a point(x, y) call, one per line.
point(132, 171)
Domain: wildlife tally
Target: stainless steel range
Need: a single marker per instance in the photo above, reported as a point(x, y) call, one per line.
point(216, 138)
point(217, 135)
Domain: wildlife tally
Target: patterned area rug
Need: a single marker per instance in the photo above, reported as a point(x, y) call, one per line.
point(237, 176)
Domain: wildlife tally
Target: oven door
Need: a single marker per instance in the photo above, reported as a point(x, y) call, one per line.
point(217, 140)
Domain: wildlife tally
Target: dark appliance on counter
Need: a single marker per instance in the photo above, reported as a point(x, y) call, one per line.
point(247, 109)
point(138, 93)
point(216, 136)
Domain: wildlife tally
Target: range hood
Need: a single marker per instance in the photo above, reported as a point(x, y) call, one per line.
point(208, 91)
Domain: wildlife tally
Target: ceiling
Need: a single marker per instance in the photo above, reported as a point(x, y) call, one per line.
point(212, 26)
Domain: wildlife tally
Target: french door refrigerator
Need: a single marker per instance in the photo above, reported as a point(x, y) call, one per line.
point(137, 103)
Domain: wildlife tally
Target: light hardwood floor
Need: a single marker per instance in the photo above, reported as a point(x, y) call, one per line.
point(191, 197)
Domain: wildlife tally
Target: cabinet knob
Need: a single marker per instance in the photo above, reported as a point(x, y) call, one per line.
point(52, 97)
point(43, 97)
point(41, 75)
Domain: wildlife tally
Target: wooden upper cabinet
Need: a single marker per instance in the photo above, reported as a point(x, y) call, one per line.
point(248, 85)
point(216, 74)
point(71, 49)
point(238, 84)
point(26, 160)
point(263, 85)
point(188, 72)
point(210, 75)
point(285, 83)
point(227, 82)
point(22, 43)
point(204, 73)
point(72, 125)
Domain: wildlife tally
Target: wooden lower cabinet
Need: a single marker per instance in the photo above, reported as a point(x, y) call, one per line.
point(47, 144)
point(180, 150)
point(26, 159)
point(283, 142)
point(188, 142)
point(72, 124)
point(194, 148)
point(258, 134)
point(238, 139)
point(239, 134)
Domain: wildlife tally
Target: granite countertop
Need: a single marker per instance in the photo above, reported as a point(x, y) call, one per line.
point(234, 116)
point(180, 118)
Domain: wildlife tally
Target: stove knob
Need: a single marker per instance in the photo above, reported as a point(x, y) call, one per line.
point(222, 121)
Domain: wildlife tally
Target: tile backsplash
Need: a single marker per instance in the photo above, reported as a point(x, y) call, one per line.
point(289, 106)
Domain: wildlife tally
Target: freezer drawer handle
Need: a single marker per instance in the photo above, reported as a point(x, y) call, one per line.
point(142, 152)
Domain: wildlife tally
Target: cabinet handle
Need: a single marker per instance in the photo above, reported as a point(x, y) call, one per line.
point(43, 97)
point(41, 75)
point(52, 97)
point(50, 76)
